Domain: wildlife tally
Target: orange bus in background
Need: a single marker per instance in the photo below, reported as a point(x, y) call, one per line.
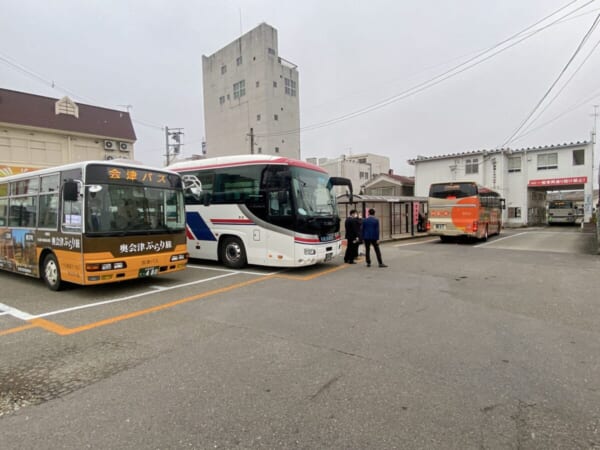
point(463, 208)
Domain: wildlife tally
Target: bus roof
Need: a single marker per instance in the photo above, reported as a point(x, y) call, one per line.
point(124, 163)
point(242, 160)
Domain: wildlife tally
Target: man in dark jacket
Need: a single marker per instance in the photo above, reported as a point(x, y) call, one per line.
point(352, 225)
point(370, 235)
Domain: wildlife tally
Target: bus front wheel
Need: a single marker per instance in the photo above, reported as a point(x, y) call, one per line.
point(233, 254)
point(51, 272)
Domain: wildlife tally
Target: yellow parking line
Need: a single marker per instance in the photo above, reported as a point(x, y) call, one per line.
point(16, 329)
point(56, 328)
point(63, 331)
point(310, 277)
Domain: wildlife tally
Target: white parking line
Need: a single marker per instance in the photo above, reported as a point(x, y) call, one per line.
point(15, 312)
point(129, 297)
point(501, 239)
point(221, 269)
point(416, 243)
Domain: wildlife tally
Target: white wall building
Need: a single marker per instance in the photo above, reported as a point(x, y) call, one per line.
point(251, 98)
point(521, 176)
point(360, 168)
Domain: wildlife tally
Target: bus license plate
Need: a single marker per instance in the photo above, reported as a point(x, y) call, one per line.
point(440, 226)
point(148, 272)
point(328, 256)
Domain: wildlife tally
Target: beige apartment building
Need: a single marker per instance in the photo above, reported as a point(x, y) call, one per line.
point(251, 98)
point(38, 132)
point(359, 168)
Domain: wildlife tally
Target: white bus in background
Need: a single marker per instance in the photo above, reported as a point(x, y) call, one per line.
point(259, 209)
point(563, 211)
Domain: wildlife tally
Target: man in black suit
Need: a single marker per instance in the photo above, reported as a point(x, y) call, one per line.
point(352, 225)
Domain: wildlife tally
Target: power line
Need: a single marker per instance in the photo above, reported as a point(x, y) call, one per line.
point(51, 83)
point(528, 129)
point(468, 64)
point(585, 38)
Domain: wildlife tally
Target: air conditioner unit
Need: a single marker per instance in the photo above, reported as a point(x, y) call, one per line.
point(110, 145)
point(108, 157)
point(124, 146)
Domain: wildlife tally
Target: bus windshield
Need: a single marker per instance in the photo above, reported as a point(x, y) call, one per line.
point(452, 190)
point(114, 208)
point(560, 204)
point(312, 195)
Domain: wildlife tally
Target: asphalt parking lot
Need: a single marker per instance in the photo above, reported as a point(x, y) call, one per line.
point(456, 345)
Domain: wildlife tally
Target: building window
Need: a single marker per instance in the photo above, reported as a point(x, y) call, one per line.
point(514, 212)
point(259, 149)
point(221, 99)
point(290, 87)
point(514, 164)
point(274, 84)
point(471, 165)
point(547, 161)
point(223, 69)
point(239, 89)
point(270, 51)
point(578, 157)
point(276, 149)
point(275, 117)
point(257, 83)
point(238, 61)
point(258, 117)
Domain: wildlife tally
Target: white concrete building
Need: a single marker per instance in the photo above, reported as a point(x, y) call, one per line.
point(251, 98)
point(360, 168)
point(522, 176)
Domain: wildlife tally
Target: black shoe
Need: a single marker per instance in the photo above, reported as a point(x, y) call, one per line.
point(351, 262)
point(382, 265)
point(368, 264)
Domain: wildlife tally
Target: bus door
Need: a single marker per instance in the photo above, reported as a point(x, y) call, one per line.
point(280, 237)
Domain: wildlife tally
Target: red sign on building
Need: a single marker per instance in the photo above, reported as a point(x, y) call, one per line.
point(558, 181)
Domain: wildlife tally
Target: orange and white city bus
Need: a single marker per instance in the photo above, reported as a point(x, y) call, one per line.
point(92, 222)
point(463, 208)
point(261, 209)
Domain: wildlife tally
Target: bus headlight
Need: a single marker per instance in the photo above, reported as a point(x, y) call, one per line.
point(179, 257)
point(97, 267)
point(310, 251)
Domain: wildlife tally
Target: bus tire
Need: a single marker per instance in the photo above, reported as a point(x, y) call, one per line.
point(233, 253)
point(51, 273)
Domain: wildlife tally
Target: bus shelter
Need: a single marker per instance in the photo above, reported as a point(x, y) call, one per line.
point(398, 216)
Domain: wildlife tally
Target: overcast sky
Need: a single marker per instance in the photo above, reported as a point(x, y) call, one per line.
point(351, 55)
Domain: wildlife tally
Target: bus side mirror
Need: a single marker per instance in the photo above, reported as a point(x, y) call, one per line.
point(70, 191)
point(206, 199)
point(503, 203)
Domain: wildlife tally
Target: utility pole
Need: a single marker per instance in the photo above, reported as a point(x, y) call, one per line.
point(595, 115)
point(175, 148)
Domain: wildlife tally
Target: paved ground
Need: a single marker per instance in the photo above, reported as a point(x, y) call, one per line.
point(454, 346)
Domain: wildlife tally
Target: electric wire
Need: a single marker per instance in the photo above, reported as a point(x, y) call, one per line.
point(468, 64)
point(527, 130)
point(562, 72)
point(32, 74)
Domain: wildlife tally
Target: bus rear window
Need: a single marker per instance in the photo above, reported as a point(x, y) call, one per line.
point(453, 190)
